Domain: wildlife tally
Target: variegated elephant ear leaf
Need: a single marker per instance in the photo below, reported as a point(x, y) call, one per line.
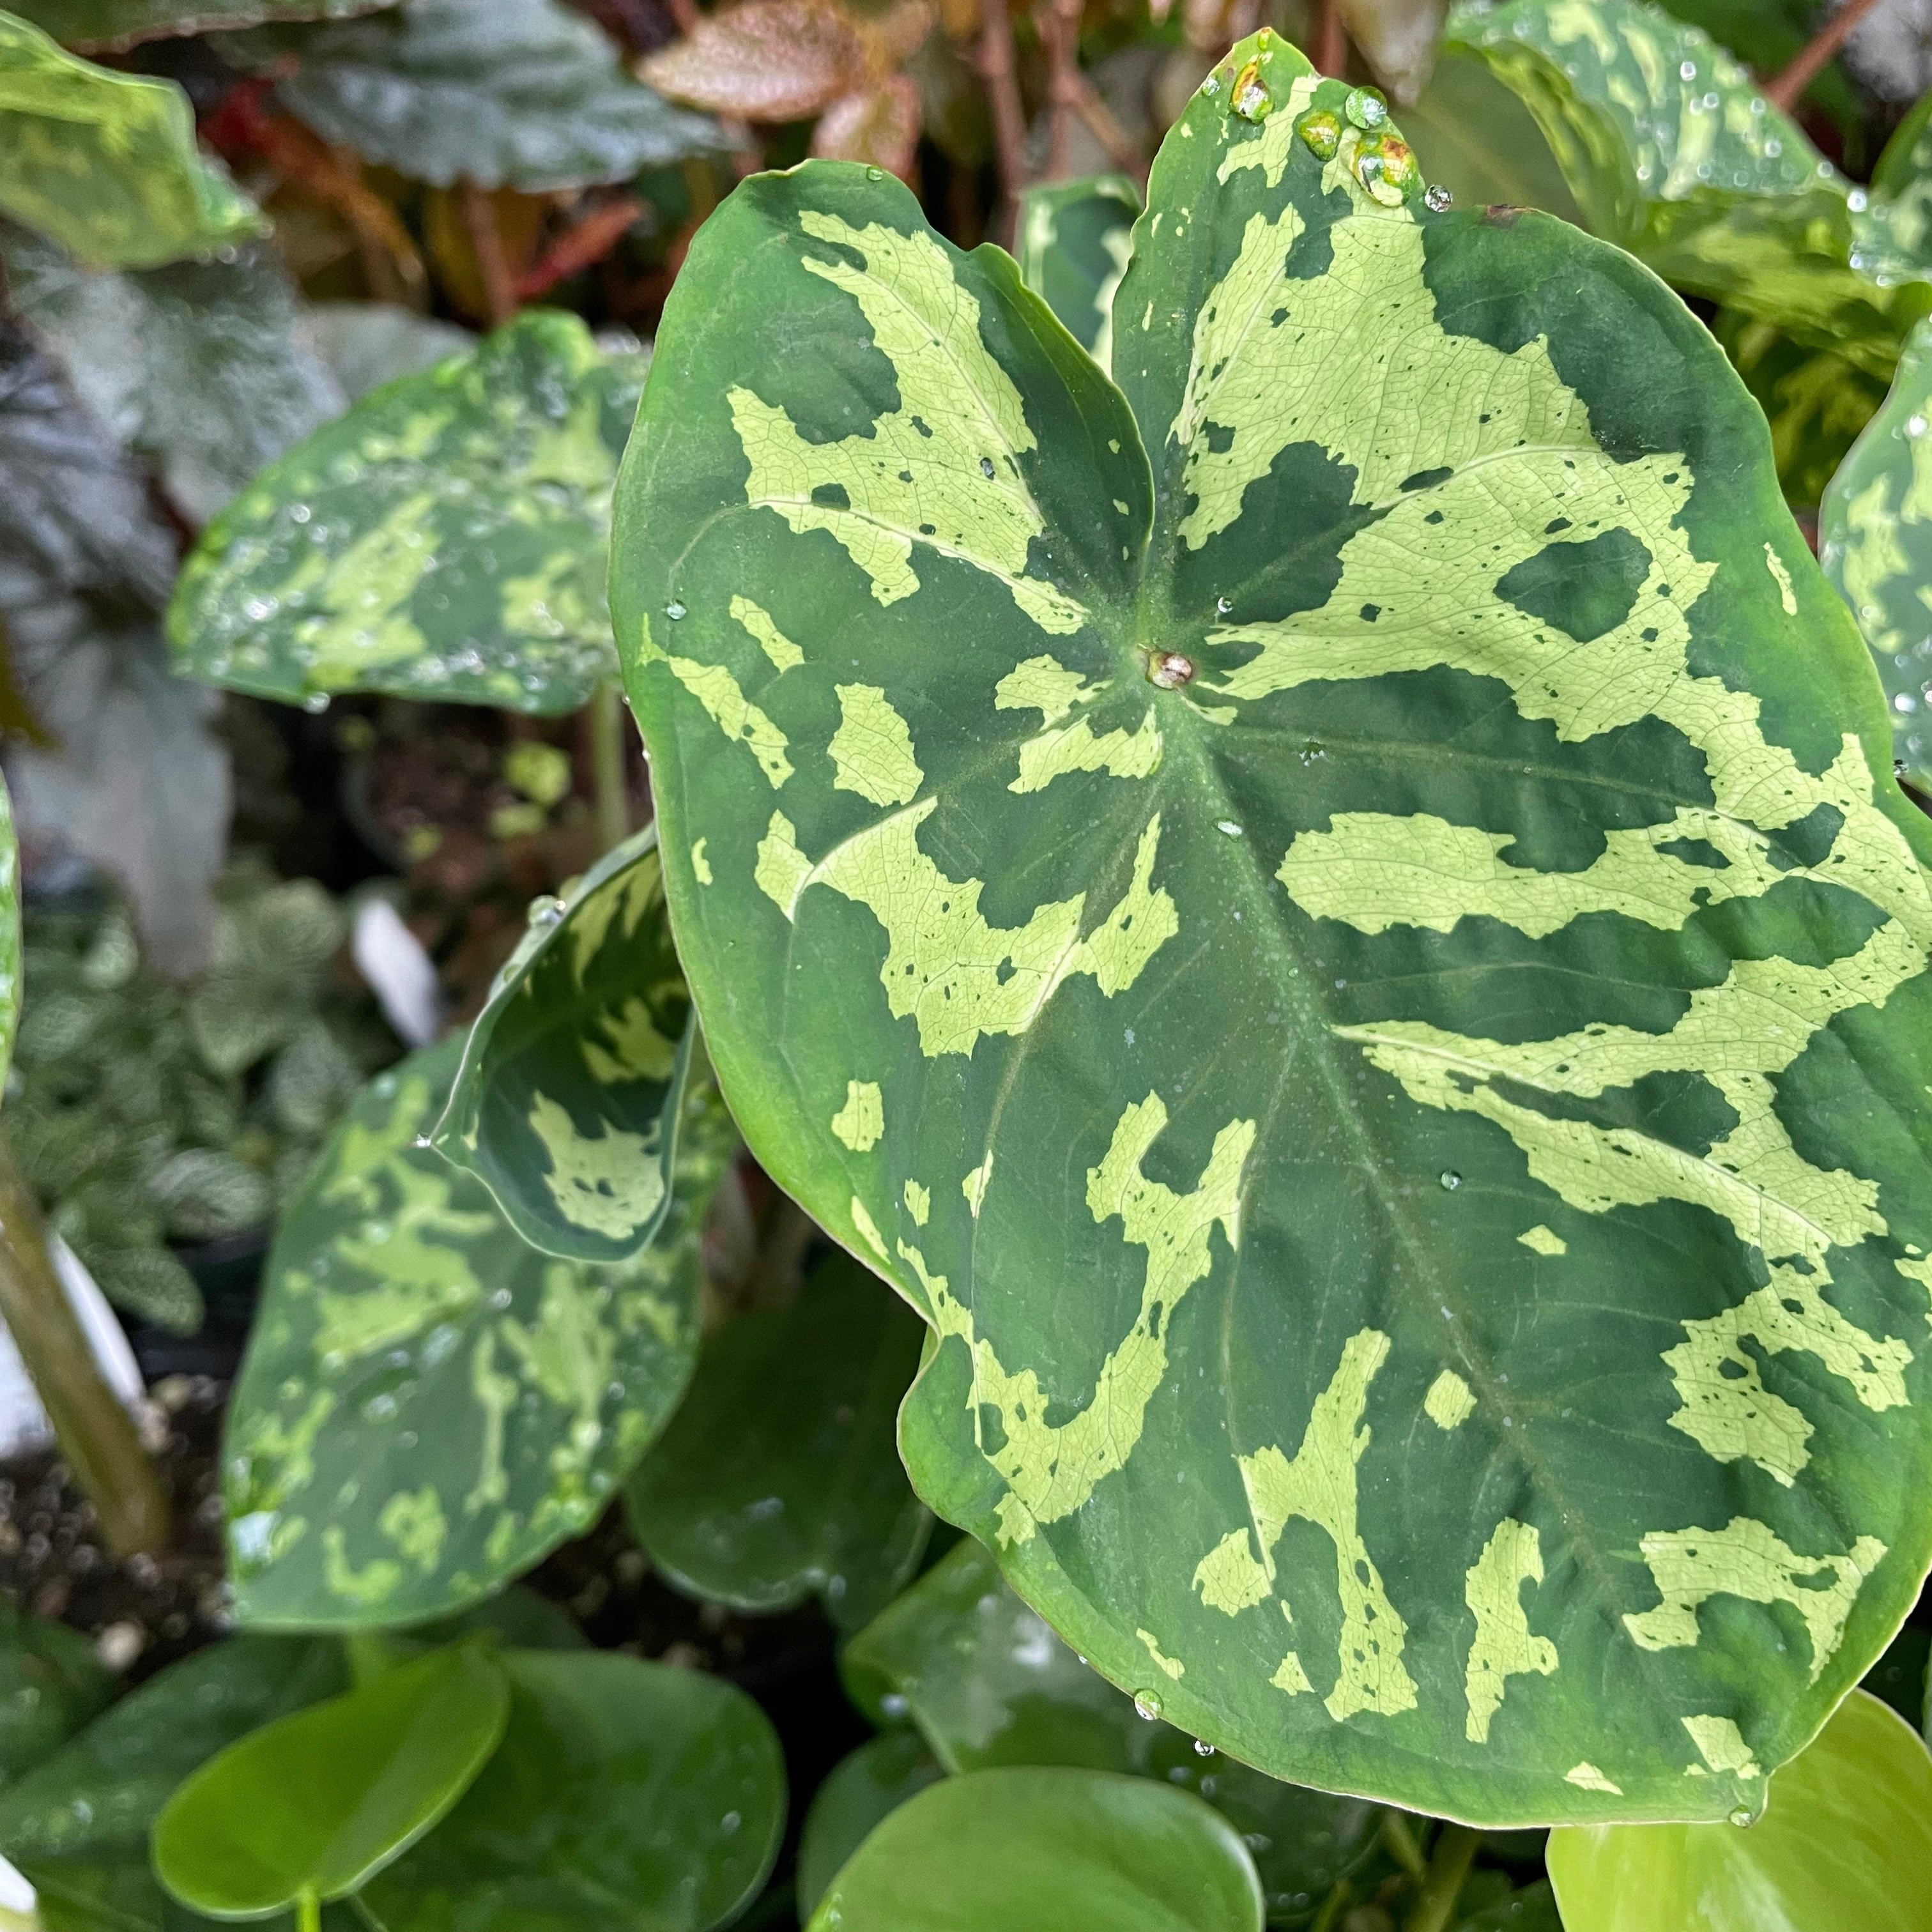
point(447, 538)
point(106, 163)
point(429, 1406)
point(1353, 947)
point(1074, 239)
point(569, 1101)
point(1875, 541)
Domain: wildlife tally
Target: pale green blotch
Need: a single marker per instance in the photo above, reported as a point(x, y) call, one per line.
point(1539, 1240)
point(1449, 1403)
point(869, 1231)
point(373, 1583)
point(494, 1393)
point(962, 462)
point(362, 623)
point(568, 1353)
point(1722, 1746)
point(729, 709)
point(610, 1183)
point(1051, 1468)
point(700, 866)
point(1319, 1485)
point(974, 1185)
point(622, 1043)
point(1045, 685)
point(415, 1525)
point(871, 750)
point(860, 1122)
point(1504, 1646)
point(1787, 595)
point(785, 656)
point(1171, 1666)
point(1748, 1559)
point(919, 1202)
point(944, 965)
point(1586, 1776)
point(1075, 747)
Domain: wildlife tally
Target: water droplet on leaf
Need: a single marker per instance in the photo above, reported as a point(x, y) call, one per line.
point(674, 610)
point(1202, 1748)
point(1147, 1704)
point(1366, 108)
point(1321, 133)
point(1439, 200)
point(1170, 670)
point(1450, 1179)
point(1251, 99)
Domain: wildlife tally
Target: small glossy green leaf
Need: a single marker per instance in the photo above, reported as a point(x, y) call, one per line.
point(429, 1406)
point(447, 538)
point(314, 1805)
point(1875, 541)
point(1074, 240)
point(1423, 596)
point(1673, 153)
point(987, 1684)
point(567, 1102)
point(79, 1826)
point(1015, 1851)
point(51, 1682)
point(524, 94)
point(625, 1797)
point(1845, 1840)
point(112, 26)
point(106, 163)
point(200, 367)
point(864, 1787)
point(779, 1476)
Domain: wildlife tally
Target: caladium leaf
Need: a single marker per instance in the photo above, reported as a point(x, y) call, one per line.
point(778, 1478)
point(106, 163)
point(514, 1390)
point(447, 538)
point(1875, 541)
point(1426, 844)
point(200, 366)
point(987, 1684)
point(112, 26)
point(1074, 240)
point(523, 93)
point(568, 1101)
point(1673, 153)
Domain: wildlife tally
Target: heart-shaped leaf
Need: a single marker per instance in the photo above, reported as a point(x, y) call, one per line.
point(1074, 240)
point(1846, 1839)
point(1672, 151)
point(987, 1684)
point(428, 1405)
point(865, 1786)
point(447, 538)
point(523, 93)
point(107, 163)
point(1875, 541)
point(625, 1797)
point(567, 1103)
point(312, 1806)
point(778, 1476)
point(79, 1826)
point(51, 1682)
point(112, 26)
point(1080, 1851)
point(1371, 983)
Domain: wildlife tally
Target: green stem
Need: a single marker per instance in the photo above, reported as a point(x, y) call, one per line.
point(1449, 1862)
point(1400, 1841)
point(1330, 1913)
point(607, 766)
point(96, 1435)
point(308, 1912)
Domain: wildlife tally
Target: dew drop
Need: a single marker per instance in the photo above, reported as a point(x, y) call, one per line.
point(1202, 1748)
point(1251, 99)
point(1147, 1705)
point(1222, 605)
point(986, 468)
point(674, 610)
point(1450, 1179)
point(317, 702)
point(1170, 670)
point(1321, 133)
point(1366, 108)
point(1439, 200)
point(875, 174)
point(1744, 1818)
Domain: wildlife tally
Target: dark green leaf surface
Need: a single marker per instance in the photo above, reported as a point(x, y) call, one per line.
point(112, 26)
point(778, 1476)
point(524, 94)
point(106, 163)
point(987, 1684)
point(567, 1103)
point(1672, 152)
point(314, 1805)
point(1074, 240)
point(1015, 1851)
point(1875, 541)
point(79, 1826)
point(865, 1786)
point(200, 367)
point(428, 1405)
point(1531, 1909)
point(1846, 1841)
point(1899, 1677)
point(1413, 1142)
point(625, 1797)
point(51, 1682)
point(447, 538)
